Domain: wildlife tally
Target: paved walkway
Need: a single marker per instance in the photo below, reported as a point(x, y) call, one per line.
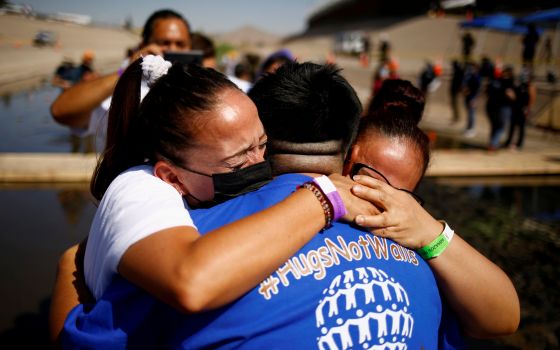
point(469, 156)
point(55, 167)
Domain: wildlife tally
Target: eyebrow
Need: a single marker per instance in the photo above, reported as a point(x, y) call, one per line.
point(263, 137)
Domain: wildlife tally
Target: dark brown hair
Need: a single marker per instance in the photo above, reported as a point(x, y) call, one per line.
point(398, 94)
point(163, 125)
point(394, 123)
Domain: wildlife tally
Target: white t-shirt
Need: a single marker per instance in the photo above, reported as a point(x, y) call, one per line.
point(136, 205)
point(97, 125)
point(244, 85)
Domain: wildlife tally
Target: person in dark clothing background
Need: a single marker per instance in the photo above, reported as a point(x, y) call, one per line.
point(530, 41)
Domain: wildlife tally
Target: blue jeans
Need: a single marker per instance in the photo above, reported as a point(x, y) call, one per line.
point(498, 124)
point(471, 110)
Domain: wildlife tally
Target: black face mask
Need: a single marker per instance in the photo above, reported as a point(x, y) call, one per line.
point(235, 183)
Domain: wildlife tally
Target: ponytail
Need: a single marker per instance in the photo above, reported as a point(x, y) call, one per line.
point(164, 125)
point(122, 148)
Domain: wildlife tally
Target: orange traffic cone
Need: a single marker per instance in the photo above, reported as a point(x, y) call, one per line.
point(364, 60)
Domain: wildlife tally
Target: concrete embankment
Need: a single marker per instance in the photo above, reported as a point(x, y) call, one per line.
point(57, 167)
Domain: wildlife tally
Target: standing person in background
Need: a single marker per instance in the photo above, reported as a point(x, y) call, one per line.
point(455, 89)
point(530, 41)
point(500, 98)
point(201, 42)
point(525, 95)
point(64, 75)
point(67, 74)
point(243, 76)
point(486, 71)
point(428, 80)
point(275, 61)
point(384, 48)
point(86, 70)
point(468, 42)
point(85, 104)
point(471, 88)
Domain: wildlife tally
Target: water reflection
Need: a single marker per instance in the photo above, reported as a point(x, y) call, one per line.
point(27, 126)
point(7, 99)
point(39, 223)
point(517, 226)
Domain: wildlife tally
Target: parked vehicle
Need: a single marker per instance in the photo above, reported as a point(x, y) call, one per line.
point(352, 43)
point(44, 38)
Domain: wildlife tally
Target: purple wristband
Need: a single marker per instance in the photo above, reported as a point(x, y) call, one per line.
point(328, 188)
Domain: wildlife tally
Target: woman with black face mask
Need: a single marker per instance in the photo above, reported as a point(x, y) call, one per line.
point(194, 140)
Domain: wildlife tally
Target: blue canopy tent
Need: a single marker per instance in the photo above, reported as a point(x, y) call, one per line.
point(552, 16)
point(500, 22)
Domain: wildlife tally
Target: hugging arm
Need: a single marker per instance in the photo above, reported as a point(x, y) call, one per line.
point(69, 290)
point(209, 271)
point(479, 292)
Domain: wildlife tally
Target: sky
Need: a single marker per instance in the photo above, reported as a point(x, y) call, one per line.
point(209, 16)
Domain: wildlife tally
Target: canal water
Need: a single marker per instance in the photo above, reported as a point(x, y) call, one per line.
point(514, 221)
point(26, 124)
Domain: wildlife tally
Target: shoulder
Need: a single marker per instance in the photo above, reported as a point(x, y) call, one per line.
point(139, 173)
point(289, 179)
point(273, 192)
point(138, 187)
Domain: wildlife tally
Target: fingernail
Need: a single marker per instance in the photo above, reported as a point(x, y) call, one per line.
point(356, 177)
point(357, 188)
point(359, 219)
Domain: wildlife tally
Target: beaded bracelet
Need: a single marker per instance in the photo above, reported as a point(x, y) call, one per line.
point(323, 200)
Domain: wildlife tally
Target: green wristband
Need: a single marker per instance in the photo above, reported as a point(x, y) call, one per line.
point(438, 245)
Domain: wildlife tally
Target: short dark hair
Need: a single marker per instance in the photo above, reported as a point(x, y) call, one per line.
point(306, 103)
point(148, 30)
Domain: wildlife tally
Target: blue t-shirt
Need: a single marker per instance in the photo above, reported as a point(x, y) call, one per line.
point(344, 289)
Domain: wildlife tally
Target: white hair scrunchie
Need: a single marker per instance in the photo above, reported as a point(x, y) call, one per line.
point(154, 67)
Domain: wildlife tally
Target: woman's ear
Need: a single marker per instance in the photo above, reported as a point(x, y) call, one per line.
point(170, 174)
point(351, 159)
